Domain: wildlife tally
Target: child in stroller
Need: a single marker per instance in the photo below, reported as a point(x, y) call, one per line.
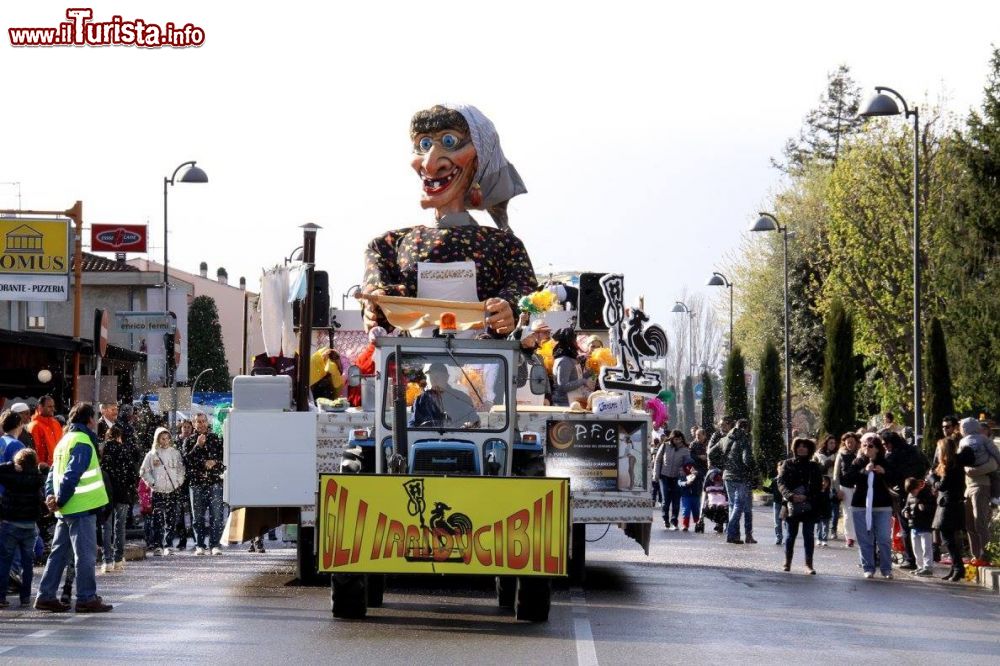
point(716, 504)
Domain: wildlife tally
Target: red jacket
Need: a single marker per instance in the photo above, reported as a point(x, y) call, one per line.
point(47, 432)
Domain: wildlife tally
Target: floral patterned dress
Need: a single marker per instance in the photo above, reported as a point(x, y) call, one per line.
point(503, 268)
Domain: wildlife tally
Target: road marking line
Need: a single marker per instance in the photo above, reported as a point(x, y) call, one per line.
point(42, 633)
point(133, 597)
point(586, 653)
point(160, 586)
point(6, 648)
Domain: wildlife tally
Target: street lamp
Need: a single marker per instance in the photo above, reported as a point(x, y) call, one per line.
point(768, 222)
point(884, 105)
point(720, 280)
point(196, 379)
point(294, 257)
point(681, 307)
point(353, 289)
point(193, 175)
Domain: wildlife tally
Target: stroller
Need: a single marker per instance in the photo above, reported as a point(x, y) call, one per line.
point(715, 503)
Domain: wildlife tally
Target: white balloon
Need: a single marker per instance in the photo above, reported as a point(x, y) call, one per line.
point(45, 376)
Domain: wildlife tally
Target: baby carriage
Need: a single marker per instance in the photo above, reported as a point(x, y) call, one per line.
point(715, 503)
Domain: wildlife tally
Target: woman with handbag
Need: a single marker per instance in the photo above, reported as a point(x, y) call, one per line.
point(948, 481)
point(163, 470)
point(799, 481)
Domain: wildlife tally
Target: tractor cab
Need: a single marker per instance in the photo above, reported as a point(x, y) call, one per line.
point(459, 417)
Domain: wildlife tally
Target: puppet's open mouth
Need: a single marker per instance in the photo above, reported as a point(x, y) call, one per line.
point(439, 185)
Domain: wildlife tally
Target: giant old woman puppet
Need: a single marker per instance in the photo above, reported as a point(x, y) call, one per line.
point(457, 155)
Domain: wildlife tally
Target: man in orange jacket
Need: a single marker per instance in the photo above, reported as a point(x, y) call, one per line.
point(45, 429)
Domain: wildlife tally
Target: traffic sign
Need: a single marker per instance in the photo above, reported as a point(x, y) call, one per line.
point(698, 390)
point(131, 321)
point(101, 323)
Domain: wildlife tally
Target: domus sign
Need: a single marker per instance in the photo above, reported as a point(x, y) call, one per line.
point(34, 259)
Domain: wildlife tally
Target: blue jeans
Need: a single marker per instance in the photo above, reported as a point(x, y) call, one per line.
point(822, 530)
point(114, 534)
point(779, 524)
point(17, 539)
point(740, 503)
point(880, 535)
point(671, 497)
point(691, 506)
point(207, 498)
point(76, 537)
point(835, 518)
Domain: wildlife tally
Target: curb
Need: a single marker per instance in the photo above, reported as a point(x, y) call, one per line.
point(989, 578)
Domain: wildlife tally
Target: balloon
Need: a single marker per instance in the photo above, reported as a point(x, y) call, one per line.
point(45, 376)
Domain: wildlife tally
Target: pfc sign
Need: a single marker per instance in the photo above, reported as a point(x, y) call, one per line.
point(118, 238)
point(34, 259)
point(442, 525)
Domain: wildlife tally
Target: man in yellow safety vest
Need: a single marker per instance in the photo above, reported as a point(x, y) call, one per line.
point(75, 492)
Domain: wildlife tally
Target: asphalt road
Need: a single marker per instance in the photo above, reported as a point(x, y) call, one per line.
point(694, 599)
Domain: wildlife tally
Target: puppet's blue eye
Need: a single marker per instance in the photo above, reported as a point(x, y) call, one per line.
point(424, 145)
point(449, 141)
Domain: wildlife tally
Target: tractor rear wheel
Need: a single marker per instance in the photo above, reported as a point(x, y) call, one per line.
point(348, 596)
point(533, 599)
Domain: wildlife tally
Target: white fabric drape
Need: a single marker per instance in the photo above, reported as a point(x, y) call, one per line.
point(276, 313)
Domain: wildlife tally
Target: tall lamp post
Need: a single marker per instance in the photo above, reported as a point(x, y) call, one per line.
point(681, 307)
point(720, 280)
point(768, 222)
point(884, 105)
point(193, 175)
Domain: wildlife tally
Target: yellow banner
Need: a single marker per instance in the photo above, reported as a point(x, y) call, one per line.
point(36, 247)
point(442, 525)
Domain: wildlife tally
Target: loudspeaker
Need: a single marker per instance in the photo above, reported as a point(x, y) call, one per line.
point(590, 311)
point(321, 302)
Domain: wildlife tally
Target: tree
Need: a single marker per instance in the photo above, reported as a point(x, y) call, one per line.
point(674, 419)
point(838, 372)
point(735, 390)
point(938, 396)
point(689, 415)
point(707, 403)
point(768, 430)
point(205, 348)
point(827, 126)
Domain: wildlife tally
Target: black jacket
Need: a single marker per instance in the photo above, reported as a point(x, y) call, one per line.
point(23, 497)
point(840, 466)
point(801, 477)
point(920, 510)
point(950, 513)
point(902, 463)
point(121, 463)
point(858, 477)
point(196, 456)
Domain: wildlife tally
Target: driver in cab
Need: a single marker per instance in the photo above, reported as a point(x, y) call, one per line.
point(441, 405)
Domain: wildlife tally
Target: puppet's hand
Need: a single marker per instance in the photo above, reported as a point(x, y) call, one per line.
point(373, 312)
point(499, 316)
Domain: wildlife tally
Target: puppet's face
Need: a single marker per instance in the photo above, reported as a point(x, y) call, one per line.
point(446, 163)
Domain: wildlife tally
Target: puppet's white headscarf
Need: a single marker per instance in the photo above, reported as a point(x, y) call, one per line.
point(497, 178)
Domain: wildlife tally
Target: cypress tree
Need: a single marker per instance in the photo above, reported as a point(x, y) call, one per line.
point(205, 348)
point(735, 388)
point(707, 403)
point(939, 397)
point(689, 415)
point(768, 434)
point(838, 372)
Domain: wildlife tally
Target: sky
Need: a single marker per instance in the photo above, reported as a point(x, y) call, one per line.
point(643, 131)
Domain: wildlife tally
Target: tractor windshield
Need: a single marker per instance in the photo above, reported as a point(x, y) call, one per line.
point(450, 392)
